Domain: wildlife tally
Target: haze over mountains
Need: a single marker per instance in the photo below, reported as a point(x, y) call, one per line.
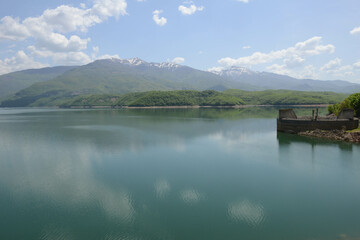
point(12, 82)
point(117, 76)
point(267, 80)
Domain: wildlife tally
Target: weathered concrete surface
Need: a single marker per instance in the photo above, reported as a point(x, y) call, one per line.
point(290, 123)
point(346, 114)
point(287, 113)
point(302, 125)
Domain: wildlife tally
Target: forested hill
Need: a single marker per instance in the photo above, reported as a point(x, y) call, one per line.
point(205, 98)
point(12, 82)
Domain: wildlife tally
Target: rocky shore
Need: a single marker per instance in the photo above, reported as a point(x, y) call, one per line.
point(338, 135)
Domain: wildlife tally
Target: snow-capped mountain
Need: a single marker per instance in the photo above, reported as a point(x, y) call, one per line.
point(139, 62)
point(267, 80)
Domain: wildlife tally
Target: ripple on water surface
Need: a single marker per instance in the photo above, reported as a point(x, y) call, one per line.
point(248, 212)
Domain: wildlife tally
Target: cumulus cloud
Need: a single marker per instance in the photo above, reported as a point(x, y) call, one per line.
point(331, 65)
point(356, 30)
point(63, 19)
point(63, 58)
point(190, 10)
point(216, 70)
point(19, 62)
point(50, 30)
point(12, 29)
point(357, 65)
point(161, 21)
point(308, 71)
point(178, 60)
point(309, 47)
point(336, 68)
point(107, 56)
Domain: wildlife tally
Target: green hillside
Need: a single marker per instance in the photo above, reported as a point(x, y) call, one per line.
point(115, 77)
point(204, 98)
point(286, 97)
point(158, 98)
point(12, 82)
point(180, 98)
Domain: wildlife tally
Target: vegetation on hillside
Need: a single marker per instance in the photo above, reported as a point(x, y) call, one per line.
point(286, 97)
point(353, 102)
point(174, 98)
point(13, 82)
point(158, 98)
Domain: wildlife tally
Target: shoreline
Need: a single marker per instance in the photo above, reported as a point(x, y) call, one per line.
point(336, 135)
point(193, 107)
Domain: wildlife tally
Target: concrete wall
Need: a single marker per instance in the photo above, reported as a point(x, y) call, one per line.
point(295, 126)
point(287, 113)
point(346, 114)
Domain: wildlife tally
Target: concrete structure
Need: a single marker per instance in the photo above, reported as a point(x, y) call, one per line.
point(290, 123)
point(346, 114)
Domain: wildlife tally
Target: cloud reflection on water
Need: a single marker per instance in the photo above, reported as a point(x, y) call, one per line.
point(190, 196)
point(162, 188)
point(248, 212)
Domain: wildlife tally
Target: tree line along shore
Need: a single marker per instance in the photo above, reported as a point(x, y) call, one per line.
point(177, 98)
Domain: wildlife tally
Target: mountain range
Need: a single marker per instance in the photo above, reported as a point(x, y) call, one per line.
point(50, 86)
point(267, 80)
point(12, 82)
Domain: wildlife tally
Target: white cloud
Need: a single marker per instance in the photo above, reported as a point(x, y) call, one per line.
point(356, 30)
point(246, 47)
point(331, 65)
point(244, 1)
point(216, 70)
point(178, 60)
point(109, 8)
point(12, 29)
point(19, 62)
point(309, 47)
point(107, 56)
point(50, 29)
point(62, 58)
point(161, 21)
point(357, 65)
point(294, 62)
point(308, 71)
point(190, 10)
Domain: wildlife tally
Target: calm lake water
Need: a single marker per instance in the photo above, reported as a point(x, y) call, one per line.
point(172, 174)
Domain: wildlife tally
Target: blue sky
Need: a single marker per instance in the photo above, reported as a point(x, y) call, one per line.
point(305, 39)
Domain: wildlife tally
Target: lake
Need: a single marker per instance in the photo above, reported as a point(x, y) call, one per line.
point(172, 174)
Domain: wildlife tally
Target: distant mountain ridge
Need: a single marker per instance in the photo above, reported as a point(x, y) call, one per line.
point(12, 82)
point(140, 62)
point(267, 80)
point(119, 76)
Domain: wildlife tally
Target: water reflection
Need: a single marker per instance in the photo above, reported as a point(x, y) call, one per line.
point(162, 188)
point(171, 175)
point(294, 149)
point(191, 196)
point(248, 212)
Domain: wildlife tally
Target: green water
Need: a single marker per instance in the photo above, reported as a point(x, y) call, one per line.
point(172, 174)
